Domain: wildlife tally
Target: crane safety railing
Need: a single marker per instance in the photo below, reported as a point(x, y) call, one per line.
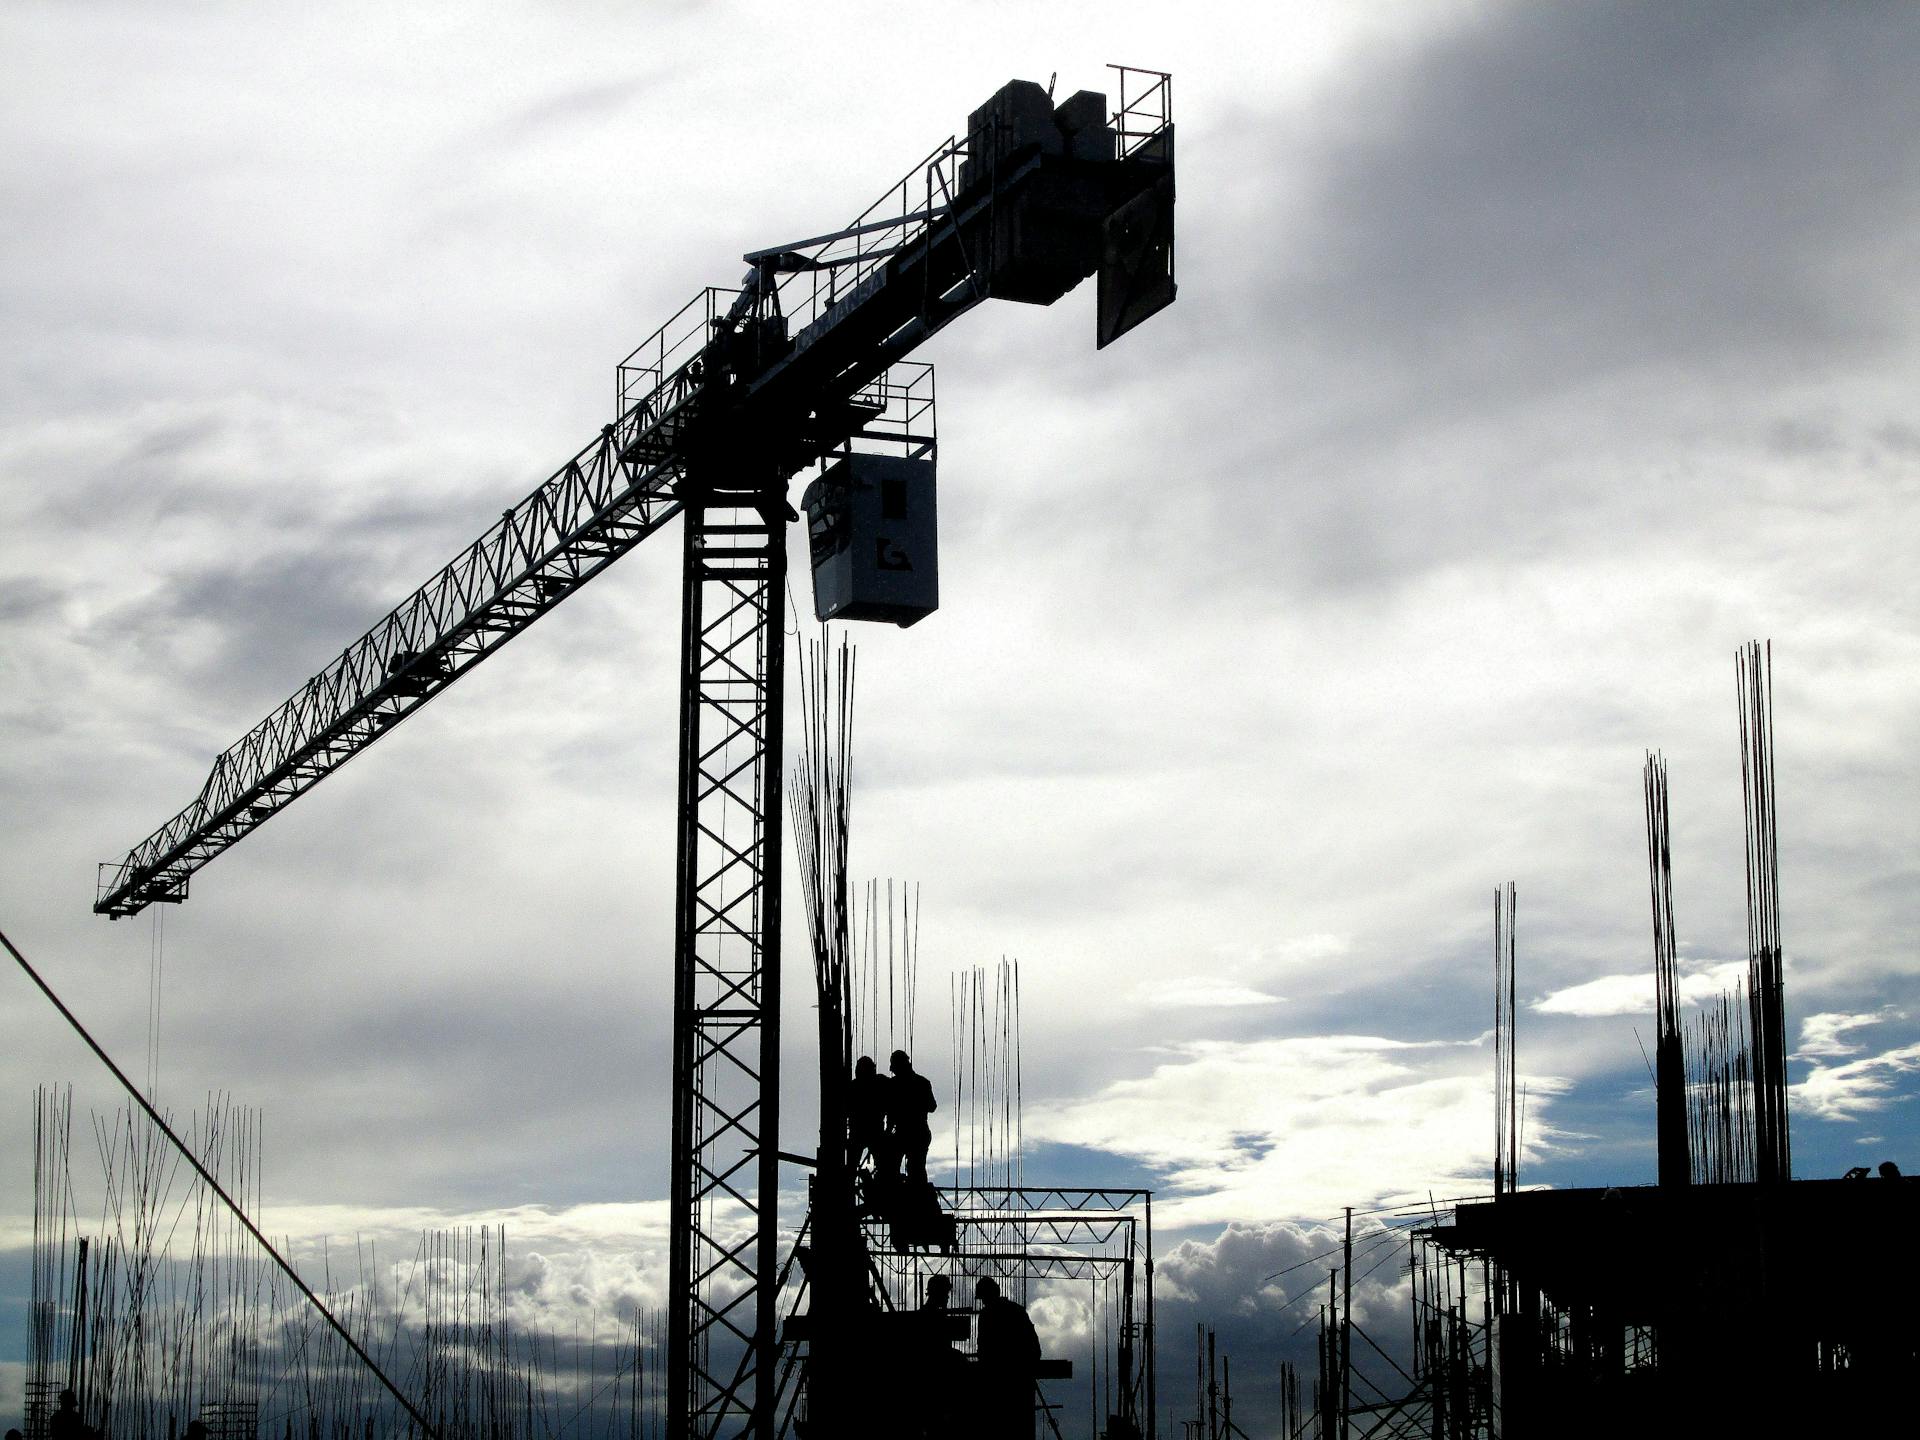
point(838, 271)
point(1140, 116)
point(845, 269)
point(899, 402)
point(663, 357)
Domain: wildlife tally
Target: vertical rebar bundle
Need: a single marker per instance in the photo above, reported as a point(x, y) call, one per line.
point(52, 1234)
point(1669, 1061)
point(886, 968)
point(1720, 1093)
point(820, 797)
point(987, 1080)
point(1766, 987)
point(1506, 1128)
point(169, 1313)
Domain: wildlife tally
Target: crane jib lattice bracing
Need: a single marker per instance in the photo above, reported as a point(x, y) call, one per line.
point(880, 301)
point(591, 512)
point(717, 411)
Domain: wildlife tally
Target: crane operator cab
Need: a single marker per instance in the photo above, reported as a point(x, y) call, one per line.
point(874, 540)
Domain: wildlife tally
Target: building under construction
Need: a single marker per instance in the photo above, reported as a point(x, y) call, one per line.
point(1729, 1295)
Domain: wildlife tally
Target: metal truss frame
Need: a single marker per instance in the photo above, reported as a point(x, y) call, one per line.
point(1047, 1264)
point(1027, 1199)
point(614, 493)
point(1047, 1233)
point(722, 1344)
point(1058, 1229)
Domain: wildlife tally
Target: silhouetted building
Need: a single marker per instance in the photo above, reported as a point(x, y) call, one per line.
point(1717, 1308)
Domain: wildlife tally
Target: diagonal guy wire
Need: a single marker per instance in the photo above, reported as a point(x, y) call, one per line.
point(207, 1175)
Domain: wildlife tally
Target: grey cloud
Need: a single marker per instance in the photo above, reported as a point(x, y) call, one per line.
point(267, 612)
point(1599, 185)
point(1261, 1288)
point(24, 598)
point(1488, 327)
point(581, 103)
point(1899, 438)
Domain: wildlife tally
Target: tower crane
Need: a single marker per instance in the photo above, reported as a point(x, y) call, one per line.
point(802, 366)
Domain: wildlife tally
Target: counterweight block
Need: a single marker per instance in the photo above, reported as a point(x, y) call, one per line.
point(1088, 208)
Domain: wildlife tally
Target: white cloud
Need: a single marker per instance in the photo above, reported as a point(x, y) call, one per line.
point(1844, 1092)
point(1313, 949)
point(1203, 992)
point(1609, 995)
point(1633, 994)
point(1062, 1318)
point(1245, 1267)
point(635, 1223)
point(1261, 1284)
point(1820, 1035)
point(1271, 1129)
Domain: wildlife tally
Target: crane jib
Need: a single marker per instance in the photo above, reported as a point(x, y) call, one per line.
point(1007, 216)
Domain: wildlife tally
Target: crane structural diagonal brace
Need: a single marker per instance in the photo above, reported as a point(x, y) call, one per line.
point(721, 1353)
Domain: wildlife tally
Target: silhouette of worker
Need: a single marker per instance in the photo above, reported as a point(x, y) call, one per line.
point(1889, 1170)
point(867, 1115)
point(940, 1377)
point(65, 1423)
point(14, 1435)
point(909, 1102)
point(1009, 1351)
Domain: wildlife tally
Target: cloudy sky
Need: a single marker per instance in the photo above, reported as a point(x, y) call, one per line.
point(1528, 359)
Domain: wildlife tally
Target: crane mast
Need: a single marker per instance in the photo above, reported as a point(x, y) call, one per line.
point(804, 362)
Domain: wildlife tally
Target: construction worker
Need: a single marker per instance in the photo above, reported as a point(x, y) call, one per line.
point(909, 1102)
point(941, 1378)
point(65, 1423)
point(1009, 1351)
point(867, 1116)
